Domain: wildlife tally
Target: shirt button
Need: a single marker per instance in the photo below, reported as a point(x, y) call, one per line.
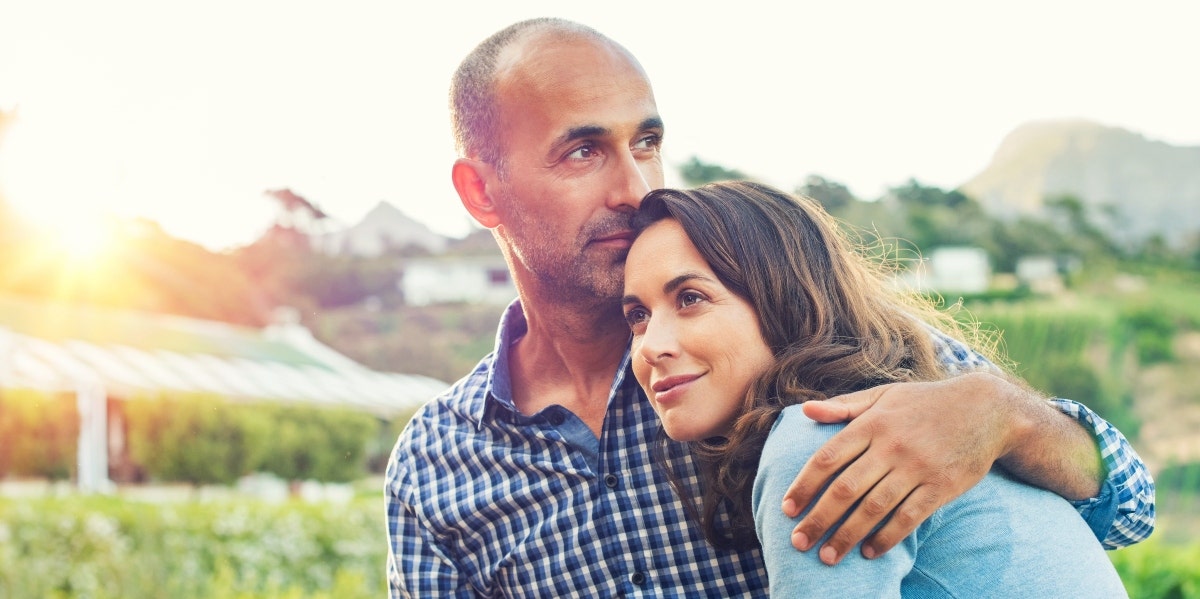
point(557, 418)
point(637, 578)
point(610, 480)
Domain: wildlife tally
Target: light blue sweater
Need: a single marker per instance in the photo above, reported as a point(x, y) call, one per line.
point(999, 539)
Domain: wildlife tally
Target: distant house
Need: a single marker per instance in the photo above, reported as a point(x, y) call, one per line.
point(1040, 274)
point(104, 356)
point(1044, 273)
point(451, 279)
point(952, 269)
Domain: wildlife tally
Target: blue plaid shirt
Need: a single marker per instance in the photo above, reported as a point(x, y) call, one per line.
point(484, 501)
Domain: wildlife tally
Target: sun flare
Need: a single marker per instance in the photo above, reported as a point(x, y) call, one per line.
point(83, 242)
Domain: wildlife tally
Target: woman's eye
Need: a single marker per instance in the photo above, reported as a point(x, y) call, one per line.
point(687, 298)
point(636, 317)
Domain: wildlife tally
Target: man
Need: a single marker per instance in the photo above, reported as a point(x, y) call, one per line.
point(533, 475)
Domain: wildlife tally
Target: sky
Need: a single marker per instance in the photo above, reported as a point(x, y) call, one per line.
point(186, 113)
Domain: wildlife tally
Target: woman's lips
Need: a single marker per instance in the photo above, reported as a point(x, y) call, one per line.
point(672, 387)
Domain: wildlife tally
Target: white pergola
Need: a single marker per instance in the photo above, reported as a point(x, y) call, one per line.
point(313, 374)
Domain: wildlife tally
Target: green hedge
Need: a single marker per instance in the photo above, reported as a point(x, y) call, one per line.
point(1153, 570)
point(200, 439)
point(107, 548)
point(38, 434)
point(207, 440)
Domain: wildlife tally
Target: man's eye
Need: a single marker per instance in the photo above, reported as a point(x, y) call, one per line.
point(582, 153)
point(648, 142)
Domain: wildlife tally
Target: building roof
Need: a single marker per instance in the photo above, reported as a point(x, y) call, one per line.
point(61, 347)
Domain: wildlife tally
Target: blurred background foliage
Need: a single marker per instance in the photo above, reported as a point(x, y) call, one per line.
point(1122, 338)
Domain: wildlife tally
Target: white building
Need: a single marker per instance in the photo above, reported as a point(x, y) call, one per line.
point(952, 269)
point(451, 279)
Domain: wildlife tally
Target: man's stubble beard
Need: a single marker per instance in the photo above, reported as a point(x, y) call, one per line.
point(575, 271)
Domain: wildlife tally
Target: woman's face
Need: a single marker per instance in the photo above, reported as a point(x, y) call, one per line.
point(696, 345)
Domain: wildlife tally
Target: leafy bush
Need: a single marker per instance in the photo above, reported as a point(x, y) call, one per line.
point(1177, 487)
point(198, 439)
point(105, 548)
point(1153, 331)
point(206, 440)
point(312, 443)
point(1154, 570)
point(38, 434)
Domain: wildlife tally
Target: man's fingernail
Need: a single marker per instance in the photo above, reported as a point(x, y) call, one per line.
point(800, 541)
point(789, 508)
point(868, 552)
point(828, 555)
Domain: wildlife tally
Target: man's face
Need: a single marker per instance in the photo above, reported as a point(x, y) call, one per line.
point(581, 142)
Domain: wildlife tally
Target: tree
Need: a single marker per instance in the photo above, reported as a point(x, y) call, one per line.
point(834, 196)
point(695, 172)
point(297, 212)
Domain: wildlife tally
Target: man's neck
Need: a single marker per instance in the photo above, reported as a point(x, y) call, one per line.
point(568, 357)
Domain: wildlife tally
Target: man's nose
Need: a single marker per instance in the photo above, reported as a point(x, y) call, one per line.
point(632, 180)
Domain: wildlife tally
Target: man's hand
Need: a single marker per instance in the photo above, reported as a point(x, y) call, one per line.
point(909, 449)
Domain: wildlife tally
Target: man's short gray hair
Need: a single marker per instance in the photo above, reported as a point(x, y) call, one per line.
point(473, 111)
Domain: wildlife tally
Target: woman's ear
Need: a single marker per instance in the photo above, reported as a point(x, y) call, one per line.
point(471, 182)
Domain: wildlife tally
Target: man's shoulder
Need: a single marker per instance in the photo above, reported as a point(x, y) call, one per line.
point(455, 412)
point(460, 401)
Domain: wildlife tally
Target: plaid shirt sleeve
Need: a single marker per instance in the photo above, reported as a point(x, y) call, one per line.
point(416, 566)
point(1123, 513)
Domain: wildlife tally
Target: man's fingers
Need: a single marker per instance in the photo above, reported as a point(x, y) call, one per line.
point(850, 485)
point(843, 408)
point(842, 449)
point(915, 509)
point(872, 510)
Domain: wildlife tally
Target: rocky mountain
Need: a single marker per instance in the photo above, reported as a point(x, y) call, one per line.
point(384, 227)
point(1133, 186)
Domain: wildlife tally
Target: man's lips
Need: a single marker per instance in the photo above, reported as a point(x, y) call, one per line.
point(671, 387)
point(622, 237)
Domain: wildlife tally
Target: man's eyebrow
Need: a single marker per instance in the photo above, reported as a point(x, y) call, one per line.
point(586, 131)
point(582, 132)
point(652, 123)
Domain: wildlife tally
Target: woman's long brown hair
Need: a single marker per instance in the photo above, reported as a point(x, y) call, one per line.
point(826, 312)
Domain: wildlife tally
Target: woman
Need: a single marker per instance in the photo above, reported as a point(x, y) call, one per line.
point(745, 302)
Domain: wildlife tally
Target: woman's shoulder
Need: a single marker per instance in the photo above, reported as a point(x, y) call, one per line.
point(794, 433)
point(793, 440)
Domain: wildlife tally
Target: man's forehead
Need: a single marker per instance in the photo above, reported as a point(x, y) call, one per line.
point(558, 59)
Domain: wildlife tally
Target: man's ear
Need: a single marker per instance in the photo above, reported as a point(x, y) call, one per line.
point(471, 182)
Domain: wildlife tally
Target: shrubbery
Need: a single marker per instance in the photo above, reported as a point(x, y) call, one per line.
point(199, 439)
point(107, 548)
point(38, 434)
point(1152, 330)
point(206, 440)
point(1153, 570)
